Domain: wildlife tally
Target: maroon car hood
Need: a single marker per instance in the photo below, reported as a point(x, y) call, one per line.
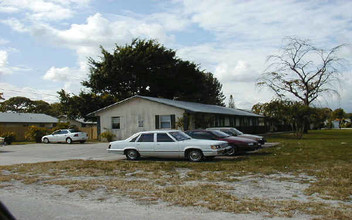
point(237, 140)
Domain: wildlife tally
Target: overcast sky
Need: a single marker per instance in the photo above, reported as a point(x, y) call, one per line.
point(44, 45)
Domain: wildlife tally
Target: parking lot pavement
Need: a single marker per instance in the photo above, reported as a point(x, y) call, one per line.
point(33, 153)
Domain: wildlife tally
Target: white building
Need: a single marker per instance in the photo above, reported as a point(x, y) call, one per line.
point(141, 113)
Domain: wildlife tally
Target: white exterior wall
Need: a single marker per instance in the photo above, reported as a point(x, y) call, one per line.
point(130, 111)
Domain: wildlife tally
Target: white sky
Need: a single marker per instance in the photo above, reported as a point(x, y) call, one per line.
point(44, 45)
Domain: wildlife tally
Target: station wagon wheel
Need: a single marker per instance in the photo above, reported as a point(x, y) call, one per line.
point(46, 140)
point(195, 156)
point(68, 140)
point(132, 155)
point(232, 151)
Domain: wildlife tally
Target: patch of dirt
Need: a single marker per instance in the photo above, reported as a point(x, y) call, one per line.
point(272, 187)
point(55, 202)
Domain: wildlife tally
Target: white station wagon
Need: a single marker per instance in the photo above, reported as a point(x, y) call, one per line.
point(167, 144)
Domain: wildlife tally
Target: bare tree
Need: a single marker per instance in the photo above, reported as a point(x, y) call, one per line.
point(303, 71)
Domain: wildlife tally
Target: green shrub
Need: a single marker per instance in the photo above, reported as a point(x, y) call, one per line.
point(107, 135)
point(35, 133)
point(345, 125)
point(9, 137)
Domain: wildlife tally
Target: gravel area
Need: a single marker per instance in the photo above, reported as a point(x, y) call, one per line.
point(33, 202)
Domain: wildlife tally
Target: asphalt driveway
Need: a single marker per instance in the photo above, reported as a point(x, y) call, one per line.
point(32, 153)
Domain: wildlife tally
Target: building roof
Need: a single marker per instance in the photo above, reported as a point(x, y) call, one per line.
point(189, 106)
point(26, 118)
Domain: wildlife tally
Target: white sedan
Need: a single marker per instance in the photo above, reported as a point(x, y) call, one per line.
point(66, 135)
point(168, 143)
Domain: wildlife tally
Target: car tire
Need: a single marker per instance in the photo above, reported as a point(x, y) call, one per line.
point(132, 155)
point(233, 151)
point(82, 142)
point(195, 155)
point(46, 141)
point(69, 140)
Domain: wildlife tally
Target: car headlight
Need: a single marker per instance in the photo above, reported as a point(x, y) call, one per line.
point(250, 144)
point(214, 147)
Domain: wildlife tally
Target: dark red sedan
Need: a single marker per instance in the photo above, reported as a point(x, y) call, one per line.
point(238, 144)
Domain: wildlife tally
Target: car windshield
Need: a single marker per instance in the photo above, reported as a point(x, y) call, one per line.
point(219, 134)
point(179, 136)
point(236, 131)
point(73, 130)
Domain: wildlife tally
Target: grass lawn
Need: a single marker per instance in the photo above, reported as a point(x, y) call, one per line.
point(321, 163)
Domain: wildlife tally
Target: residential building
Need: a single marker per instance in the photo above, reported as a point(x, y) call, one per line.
point(19, 122)
point(140, 113)
point(11, 119)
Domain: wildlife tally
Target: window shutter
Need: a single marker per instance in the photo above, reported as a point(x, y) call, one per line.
point(156, 121)
point(172, 121)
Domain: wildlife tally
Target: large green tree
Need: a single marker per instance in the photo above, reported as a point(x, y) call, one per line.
point(285, 112)
point(21, 104)
point(338, 114)
point(17, 104)
point(78, 106)
point(146, 67)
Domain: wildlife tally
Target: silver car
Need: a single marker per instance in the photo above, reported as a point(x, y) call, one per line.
point(168, 144)
point(66, 135)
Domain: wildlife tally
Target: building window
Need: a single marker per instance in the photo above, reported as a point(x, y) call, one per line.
point(245, 122)
point(227, 121)
point(115, 122)
point(261, 122)
point(165, 121)
point(220, 121)
point(238, 122)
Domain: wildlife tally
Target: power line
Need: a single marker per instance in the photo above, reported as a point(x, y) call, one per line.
point(33, 92)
